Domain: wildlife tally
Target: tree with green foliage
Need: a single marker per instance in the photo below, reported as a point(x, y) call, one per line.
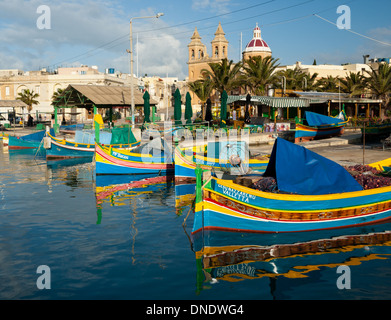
point(29, 98)
point(378, 83)
point(297, 79)
point(329, 84)
point(224, 75)
point(259, 74)
point(354, 84)
point(202, 89)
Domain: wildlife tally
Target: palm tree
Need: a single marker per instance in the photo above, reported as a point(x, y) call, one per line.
point(329, 84)
point(312, 84)
point(259, 73)
point(379, 83)
point(224, 75)
point(202, 89)
point(29, 98)
point(353, 84)
point(297, 79)
point(56, 94)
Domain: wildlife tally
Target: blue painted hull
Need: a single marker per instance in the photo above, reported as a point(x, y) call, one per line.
point(104, 168)
point(58, 151)
point(231, 207)
point(242, 223)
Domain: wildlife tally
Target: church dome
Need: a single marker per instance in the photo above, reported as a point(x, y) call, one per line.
point(257, 44)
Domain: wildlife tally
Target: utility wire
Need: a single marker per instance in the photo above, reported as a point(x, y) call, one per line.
point(354, 32)
point(164, 28)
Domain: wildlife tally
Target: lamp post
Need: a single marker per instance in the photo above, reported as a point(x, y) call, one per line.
point(131, 61)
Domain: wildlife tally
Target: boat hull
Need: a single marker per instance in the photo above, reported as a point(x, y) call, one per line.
point(65, 149)
point(20, 143)
point(185, 165)
point(117, 161)
point(230, 207)
point(307, 133)
point(376, 131)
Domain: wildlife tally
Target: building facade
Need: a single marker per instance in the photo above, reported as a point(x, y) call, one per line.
point(199, 57)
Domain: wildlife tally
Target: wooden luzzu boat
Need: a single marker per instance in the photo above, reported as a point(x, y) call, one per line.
point(223, 155)
point(315, 193)
point(320, 127)
point(29, 141)
point(83, 143)
point(154, 157)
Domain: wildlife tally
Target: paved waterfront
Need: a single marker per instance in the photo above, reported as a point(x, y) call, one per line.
point(345, 150)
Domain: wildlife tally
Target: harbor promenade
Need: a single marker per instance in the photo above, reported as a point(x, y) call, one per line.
point(345, 150)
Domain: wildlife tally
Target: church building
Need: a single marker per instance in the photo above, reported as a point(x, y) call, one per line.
point(199, 58)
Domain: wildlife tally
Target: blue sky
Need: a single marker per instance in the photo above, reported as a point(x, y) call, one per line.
point(97, 32)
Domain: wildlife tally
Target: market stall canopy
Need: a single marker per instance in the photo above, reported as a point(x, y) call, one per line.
point(273, 102)
point(85, 96)
point(12, 104)
point(324, 97)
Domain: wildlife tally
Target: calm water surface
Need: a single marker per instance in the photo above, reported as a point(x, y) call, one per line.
point(123, 238)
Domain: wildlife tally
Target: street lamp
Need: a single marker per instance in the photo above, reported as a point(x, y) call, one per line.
point(131, 61)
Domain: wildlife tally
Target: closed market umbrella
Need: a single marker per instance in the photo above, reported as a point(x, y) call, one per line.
point(177, 107)
point(223, 112)
point(208, 111)
point(188, 109)
point(147, 109)
point(247, 113)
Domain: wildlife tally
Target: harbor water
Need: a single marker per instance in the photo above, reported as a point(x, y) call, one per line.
point(130, 238)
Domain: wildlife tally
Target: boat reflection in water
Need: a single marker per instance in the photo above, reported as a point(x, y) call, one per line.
point(118, 190)
point(184, 196)
point(133, 191)
point(233, 257)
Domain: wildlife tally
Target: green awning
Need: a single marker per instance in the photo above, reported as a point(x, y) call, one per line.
point(274, 102)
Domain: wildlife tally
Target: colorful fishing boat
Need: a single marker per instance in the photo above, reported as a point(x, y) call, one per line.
point(83, 143)
point(376, 131)
point(4, 138)
point(314, 193)
point(154, 157)
point(30, 141)
point(383, 165)
point(230, 156)
point(320, 127)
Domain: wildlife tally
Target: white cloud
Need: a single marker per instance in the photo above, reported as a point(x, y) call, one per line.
point(94, 32)
point(215, 6)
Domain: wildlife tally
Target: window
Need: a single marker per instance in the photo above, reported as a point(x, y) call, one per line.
point(7, 91)
point(216, 52)
point(38, 89)
point(192, 54)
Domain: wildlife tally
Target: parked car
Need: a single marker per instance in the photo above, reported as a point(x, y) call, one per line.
point(3, 121)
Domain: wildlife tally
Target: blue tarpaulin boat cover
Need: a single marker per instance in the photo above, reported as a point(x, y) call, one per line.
point(316, 119)
point(301, 171)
